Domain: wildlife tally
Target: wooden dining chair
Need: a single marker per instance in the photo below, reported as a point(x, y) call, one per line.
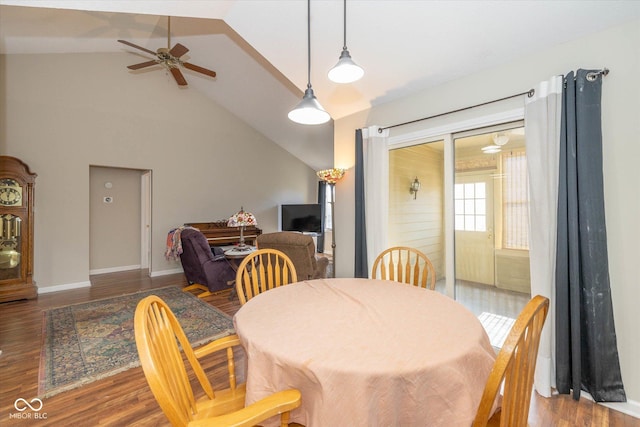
point(514, 366)
point(262, 270)
point(158, 333)
point(406, 265)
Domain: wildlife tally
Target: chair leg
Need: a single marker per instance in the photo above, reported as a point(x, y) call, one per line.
point(196, 286)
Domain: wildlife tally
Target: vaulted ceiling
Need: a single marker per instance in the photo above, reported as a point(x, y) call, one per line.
point(259, 47)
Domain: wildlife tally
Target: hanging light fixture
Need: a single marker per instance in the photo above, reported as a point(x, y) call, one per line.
point(309, 111)
point(345, 71)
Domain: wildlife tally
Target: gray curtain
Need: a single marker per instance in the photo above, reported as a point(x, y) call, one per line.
point(360, 268)
point(586, 348)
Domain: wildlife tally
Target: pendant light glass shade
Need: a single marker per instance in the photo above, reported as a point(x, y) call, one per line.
point(345, 71)
point(309, 111)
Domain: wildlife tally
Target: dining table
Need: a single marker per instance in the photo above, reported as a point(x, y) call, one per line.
point(366, 352)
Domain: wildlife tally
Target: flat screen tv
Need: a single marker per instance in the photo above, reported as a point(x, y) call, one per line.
point(306, 218)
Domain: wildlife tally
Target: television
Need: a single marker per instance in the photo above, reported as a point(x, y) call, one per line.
point(305, 218)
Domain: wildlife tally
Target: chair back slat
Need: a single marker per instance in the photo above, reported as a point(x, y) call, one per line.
point(514, 369)
point(263, 270)
point(406, 265)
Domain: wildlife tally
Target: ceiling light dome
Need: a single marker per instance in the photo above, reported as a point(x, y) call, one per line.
point(500, 138)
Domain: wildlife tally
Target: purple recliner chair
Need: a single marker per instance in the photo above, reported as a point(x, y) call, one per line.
point(203, 265)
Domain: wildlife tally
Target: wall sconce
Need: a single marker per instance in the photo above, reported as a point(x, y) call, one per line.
point(415, 186)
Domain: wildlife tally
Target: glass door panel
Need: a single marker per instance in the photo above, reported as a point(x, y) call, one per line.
point(490, 205)
point(416, 219)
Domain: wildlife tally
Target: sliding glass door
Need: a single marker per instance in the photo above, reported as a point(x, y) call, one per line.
point(469, 216)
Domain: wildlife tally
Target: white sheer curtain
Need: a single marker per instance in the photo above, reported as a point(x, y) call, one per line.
point(542, 127)
point(376, 190)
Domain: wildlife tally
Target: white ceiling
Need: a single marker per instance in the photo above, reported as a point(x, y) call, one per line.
point(259, 47)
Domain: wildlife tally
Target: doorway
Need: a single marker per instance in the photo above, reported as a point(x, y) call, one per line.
point(119, 219)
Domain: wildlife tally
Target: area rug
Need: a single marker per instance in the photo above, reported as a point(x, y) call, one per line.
point(85, 342)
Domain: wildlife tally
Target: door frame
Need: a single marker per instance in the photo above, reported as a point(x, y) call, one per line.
point(145, 220)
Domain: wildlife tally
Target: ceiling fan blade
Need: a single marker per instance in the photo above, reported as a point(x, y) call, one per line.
point(137, 47)
point(177, 74)
point(199, 69)
point(141, 65)
point(178, 50)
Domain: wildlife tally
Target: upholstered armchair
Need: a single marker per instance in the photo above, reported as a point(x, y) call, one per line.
point(300, 249)
point(205, 269)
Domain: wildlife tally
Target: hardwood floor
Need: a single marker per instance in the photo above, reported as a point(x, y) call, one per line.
point(125, 399)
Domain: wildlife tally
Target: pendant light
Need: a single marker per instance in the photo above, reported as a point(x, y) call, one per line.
point(345, 71)
point(309, 111)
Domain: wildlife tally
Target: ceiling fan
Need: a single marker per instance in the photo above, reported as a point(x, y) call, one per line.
point(170, 59)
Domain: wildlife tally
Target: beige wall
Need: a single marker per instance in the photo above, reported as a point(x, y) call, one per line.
point(419, 222)
point(62, 113)
point(618, 49)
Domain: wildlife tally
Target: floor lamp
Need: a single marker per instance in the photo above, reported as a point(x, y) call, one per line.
point(331, 176)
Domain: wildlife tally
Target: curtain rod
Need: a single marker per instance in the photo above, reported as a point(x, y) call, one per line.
point(529, 93)
point(591, 76)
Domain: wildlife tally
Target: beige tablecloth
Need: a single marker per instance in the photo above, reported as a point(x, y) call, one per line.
point(366, 353)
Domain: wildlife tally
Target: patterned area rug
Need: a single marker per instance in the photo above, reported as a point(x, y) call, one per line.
point(85, 342)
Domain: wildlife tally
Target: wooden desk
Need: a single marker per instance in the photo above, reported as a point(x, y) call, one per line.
point(218, 234)
point(366, 353)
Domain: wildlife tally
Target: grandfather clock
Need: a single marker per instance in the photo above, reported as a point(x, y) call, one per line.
point(16, 230)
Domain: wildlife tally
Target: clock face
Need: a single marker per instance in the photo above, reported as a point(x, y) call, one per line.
point(10, 193)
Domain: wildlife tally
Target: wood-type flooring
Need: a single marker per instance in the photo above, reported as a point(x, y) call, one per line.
point(125, 399)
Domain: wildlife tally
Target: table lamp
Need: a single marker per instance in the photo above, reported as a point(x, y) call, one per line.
point(242, 219)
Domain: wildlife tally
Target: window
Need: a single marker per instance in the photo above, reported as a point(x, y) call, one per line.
point(470, 206)
point(515, 201)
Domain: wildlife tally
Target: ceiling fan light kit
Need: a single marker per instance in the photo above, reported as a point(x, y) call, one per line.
point(309, 111)
point(500, 138)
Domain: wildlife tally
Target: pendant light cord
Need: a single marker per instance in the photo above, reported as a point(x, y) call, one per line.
point(308, 44)
point(344, 46)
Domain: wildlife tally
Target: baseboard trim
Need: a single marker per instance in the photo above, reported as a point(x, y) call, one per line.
point(114, 269)
point(64, 287)
point(165, 272)
point(630, 407)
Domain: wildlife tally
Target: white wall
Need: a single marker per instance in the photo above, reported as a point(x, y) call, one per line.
point(617, 49)
point(63, 113)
